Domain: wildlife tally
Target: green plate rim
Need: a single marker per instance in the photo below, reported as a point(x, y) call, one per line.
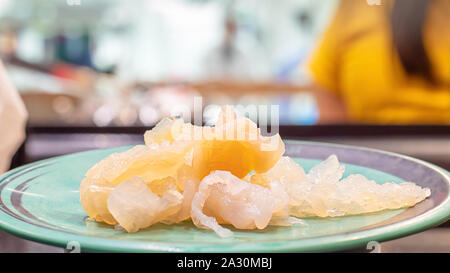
point(349, 240)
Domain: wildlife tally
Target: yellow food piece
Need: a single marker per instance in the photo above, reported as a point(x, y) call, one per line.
point(177, 154)
point(236, 145)
point(158, 167)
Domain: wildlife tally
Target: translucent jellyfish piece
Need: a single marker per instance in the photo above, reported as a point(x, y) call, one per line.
point(285, 171)
point(327, 171)
point(93, 195)
point(189, 186)
point(143, 161)
point(224, 198)
point(356, 194)
point(158, 167)
point(135, 206)
point(168, 129)
point(322, 194)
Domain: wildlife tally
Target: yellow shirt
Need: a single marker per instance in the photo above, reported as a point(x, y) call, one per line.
point(357, 61)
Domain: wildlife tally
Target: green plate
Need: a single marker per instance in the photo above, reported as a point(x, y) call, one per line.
point(40, 202)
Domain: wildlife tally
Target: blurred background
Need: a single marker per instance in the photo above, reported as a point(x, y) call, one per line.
point(98, 73)
point(116, 63)
point(122, 62)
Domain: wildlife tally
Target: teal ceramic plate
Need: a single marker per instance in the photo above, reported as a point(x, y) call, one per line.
point(40, 202)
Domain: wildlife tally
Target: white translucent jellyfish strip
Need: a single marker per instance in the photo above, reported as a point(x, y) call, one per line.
point(135, 206)
point(322, 194)
point(285, 171)
point(190, 188)
point(327, 171)
point(224, 198)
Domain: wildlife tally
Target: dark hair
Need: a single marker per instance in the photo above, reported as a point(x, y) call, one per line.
point(408, 19)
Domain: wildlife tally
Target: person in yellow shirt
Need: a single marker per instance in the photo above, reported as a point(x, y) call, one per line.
point(385, 62)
